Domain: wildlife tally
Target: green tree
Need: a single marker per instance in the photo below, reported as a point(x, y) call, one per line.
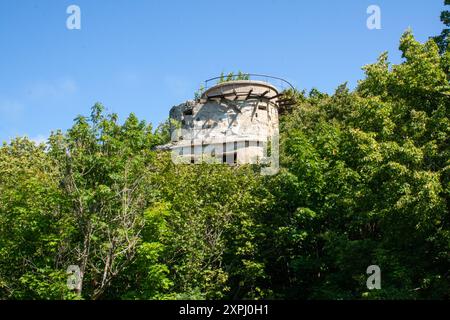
point(443, 39)
point(104, 169)
point(366, 182)
point(31, 226)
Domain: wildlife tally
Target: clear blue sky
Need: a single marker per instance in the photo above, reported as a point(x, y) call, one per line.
point(146, 56)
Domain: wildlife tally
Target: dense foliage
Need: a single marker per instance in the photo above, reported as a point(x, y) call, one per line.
point(442, 40)
point(365, 180)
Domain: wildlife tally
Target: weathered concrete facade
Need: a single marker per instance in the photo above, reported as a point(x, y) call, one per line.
point(232, 122)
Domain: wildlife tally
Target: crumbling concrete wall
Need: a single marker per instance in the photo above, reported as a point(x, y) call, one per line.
point(232, 122)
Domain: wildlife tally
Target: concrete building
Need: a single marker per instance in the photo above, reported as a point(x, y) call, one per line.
point(232, 122)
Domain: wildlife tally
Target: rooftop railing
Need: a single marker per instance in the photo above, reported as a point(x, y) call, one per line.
point(280, 83)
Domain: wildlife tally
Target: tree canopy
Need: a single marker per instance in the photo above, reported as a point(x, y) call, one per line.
point(364, 180)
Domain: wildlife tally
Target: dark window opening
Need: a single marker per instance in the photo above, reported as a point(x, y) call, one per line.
point(224, 154)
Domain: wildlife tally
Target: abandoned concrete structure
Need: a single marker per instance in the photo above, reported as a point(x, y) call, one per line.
point(232, 122)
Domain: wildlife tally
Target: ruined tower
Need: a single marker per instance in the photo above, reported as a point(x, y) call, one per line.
point(231, 122)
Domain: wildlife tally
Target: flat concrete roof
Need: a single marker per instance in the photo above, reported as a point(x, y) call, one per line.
point(240, 83)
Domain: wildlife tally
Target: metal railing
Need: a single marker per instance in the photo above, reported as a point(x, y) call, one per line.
point(277, 82)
